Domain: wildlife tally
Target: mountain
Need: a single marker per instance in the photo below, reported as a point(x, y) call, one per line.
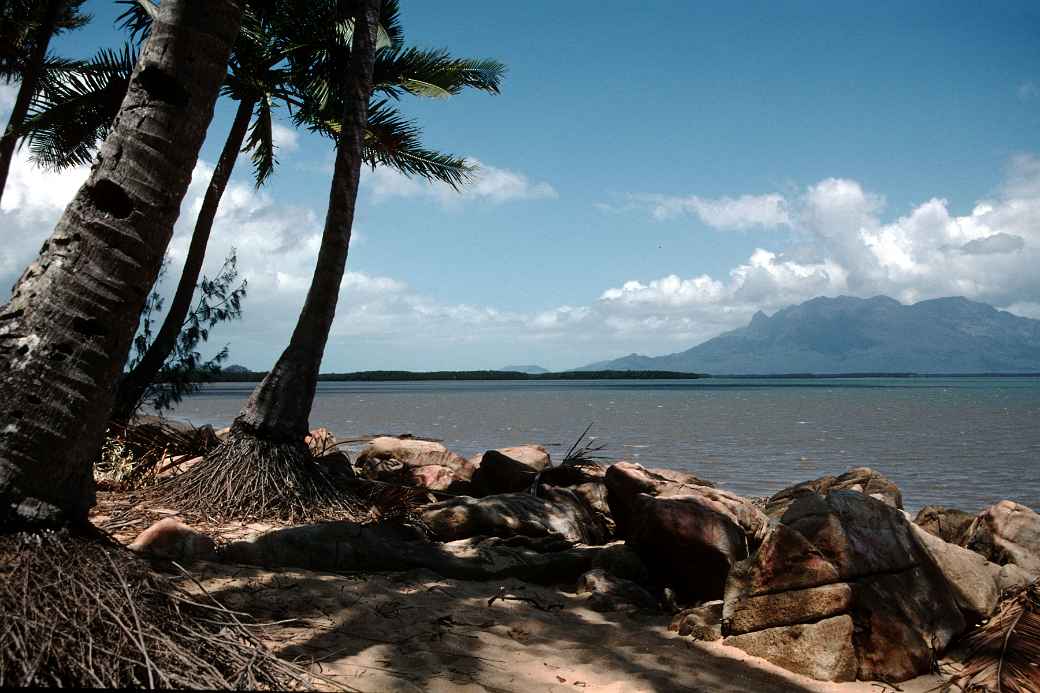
point(856, 335)
point(533, 370)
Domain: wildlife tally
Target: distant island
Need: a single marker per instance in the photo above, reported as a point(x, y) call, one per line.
point(243, 375)
point(846, 335)
point(533, 370)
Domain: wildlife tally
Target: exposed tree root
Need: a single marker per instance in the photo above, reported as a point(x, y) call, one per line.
point(84, 612)
point(250, 478)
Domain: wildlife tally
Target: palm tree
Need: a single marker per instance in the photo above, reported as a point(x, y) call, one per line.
point(26, 30)
point(263, 468)
point(73, 114)
point(66, 331)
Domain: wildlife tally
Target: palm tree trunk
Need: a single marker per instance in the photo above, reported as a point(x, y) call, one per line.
point(30, 79)
point(133, 385)
point(65, 333)
point(279, 408)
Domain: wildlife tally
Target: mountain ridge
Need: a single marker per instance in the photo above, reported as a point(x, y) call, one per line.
point(846, 334)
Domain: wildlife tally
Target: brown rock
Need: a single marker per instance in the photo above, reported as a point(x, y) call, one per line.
point(626, 480)
point(509, 470)
point(702, 622)
point(972, 579)
point(861, 479)
point(414, 463)
point(508, 514)
point(823, 650)
point(610, 593)
point(1007, 532)
point(173, 540)
point(588, 481)
point(749, 614)
point(948, 524)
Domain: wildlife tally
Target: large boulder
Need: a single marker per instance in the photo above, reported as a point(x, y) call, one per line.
point(861, 479)
point(587, 480)
point(856, 564)
point(410, 462)
point(556, 512)
point(949, 524)
point(351, 547)
point(702, 622)
point(509, 470)
point(1007, 533)
point(974, 582)
point(607, 592)
point(625, 481)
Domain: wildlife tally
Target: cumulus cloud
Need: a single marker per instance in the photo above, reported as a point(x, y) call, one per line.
point(489, 183)
point(286, 139)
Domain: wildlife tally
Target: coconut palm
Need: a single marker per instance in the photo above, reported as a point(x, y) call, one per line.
point(26, 30)
point(66, 331)
point(263, 468)
point(74, 113)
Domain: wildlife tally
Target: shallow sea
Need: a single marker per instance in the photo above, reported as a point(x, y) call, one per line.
point(962, 442)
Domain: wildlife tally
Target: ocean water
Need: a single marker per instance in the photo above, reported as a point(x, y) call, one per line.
point(961, 442)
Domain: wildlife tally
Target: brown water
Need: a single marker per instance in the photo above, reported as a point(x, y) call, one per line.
point(962, 442)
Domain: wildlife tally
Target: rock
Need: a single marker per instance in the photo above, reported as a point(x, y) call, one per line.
point(337, 464)
point(845, 555)
point(320, 441)
point(626, 480)
point(748, 614)
point(822, 650)
point(610, 593)
point(414, 463)
point(702, 622)
point(509, 470)
point(861, 479)
point(972, 579)
point(175, 541)
point(1007, 532)
point(621, 560)
point(948, 524)
point(560, 512)
point(350, 547)
point(688, 533)
point(1010, 576)
point(588, 481)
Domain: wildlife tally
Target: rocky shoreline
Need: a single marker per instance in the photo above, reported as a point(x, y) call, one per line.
point(829, 578)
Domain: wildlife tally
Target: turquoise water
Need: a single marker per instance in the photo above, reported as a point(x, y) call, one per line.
point(963, 442)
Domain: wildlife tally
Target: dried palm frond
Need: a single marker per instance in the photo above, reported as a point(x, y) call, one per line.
point(134, 453)
point(1004, 653)
point(584, 451)
point(85, 612)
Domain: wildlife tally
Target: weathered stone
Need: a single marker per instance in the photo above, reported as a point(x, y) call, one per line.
point(1010, 576)
point(786, 608)
point(971, 578)
point(861, 479)
point(949, 524)
point(175, 541)
point(349, 547)
point(510, 470)
point(626, 480)
point(587, 480)
point(507, 514)
point(414, 463)
point(904, 612)
point(621, 560)
point(611, 593)
point(823, 650)
point(1007, 532)
point(702, 622)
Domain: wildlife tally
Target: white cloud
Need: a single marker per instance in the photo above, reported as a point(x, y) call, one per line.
point(1028, 91)
point(286, 139)
point(489, 183)
point(726, 213)
point(8, 94)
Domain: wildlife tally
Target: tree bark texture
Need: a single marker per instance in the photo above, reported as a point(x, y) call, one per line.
point(66, 331)
point(30, 79)
point(133, 384)
point(279, 407)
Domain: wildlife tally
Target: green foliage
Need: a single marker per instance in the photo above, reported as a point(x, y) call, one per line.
point(19, 29)
point(219, 300)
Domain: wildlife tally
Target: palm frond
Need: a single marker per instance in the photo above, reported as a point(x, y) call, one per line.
point(260, 143)
point(75, 106)
point(1004, 653)
point(434, 73)
point(137, 18)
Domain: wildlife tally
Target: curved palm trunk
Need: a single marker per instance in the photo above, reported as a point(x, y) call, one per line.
point(279, 408)
point(30, 79)
point(133, 385)
point(66, 331)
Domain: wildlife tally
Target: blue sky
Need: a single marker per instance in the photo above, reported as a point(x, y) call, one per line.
point(653, 173)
